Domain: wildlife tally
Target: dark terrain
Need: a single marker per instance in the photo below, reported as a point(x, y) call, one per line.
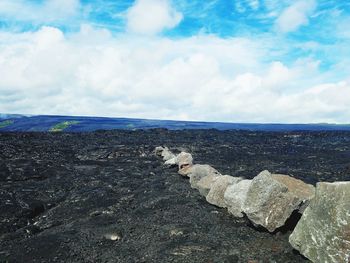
point(62, 194)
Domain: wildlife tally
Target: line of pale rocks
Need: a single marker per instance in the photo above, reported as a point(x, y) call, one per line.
point(268, 200)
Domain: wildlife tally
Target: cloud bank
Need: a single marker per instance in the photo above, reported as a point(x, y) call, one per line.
point(199, 78)
point(150, 70)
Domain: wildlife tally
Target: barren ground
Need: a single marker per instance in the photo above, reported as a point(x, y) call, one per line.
point(62, 195)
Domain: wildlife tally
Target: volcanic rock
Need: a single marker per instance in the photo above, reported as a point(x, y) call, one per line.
point(235, 196)
point(184, 159)
point(217, 190)
point(272, 198)
point(167, 154)
point(206, 183)
point(158, 150)
point(323, 232)
point(199, 171)
point(164, 152)
point(171, 162)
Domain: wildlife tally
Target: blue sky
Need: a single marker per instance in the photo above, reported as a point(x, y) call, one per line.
point(219, 60)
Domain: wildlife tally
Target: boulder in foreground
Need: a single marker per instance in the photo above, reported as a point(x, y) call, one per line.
point(323, 232)
point(272, 198)
point(235, 196)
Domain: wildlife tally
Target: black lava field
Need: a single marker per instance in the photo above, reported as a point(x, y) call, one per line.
point(105, 197)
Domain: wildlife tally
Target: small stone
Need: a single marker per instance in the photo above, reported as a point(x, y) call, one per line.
point(323, 232)
point(272, 198)
point(113, 237)
point(176, 232)
point(217, 190)
point(235, 196)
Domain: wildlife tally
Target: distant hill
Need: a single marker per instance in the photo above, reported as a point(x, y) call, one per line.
point(16, 122)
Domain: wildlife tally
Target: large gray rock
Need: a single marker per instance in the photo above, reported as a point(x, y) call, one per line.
point(164, 152)
point(206, 183)
point(323, 232)
point(272, 198)
point(217, 190)
point(199, 171)
point(235, 196)
point(167, 154)
point(158, 150)
point(184, 160)
point(171, 162)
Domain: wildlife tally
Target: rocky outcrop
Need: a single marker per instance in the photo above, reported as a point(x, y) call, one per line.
point(217, 190)
point(323, 232)
point(235, 196)
point(272, 198)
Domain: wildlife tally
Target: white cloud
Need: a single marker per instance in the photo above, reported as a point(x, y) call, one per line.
point(295, 15)
point(199, 78)
point(152, 16)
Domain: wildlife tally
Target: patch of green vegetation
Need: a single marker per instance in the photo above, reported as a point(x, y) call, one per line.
point(130, 126)
point(6, 123)
point(62, 126)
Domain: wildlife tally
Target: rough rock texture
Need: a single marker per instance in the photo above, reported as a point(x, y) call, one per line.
point(184, 159)
point(323, 232)
point(82, 187)
point(171, 162)
point(272, 198)
point(198, 171)
point(167, 154)
point(158, 150)
point(235, 196)
point(206, 183)
point(217, 190)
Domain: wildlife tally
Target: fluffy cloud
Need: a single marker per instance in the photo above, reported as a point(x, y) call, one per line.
point(295, 15)
point(152, 16)
point(198, 78)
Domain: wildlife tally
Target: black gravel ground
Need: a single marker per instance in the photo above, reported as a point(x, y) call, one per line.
point(63, 195)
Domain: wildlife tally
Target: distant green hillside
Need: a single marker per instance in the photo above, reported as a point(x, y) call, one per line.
point(62, 126)
point(6, 123)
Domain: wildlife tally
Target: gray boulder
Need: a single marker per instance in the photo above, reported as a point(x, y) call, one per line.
point(235, 196)
point(323, 232)
point(167, 154)
point(171, 162)
point(199, 171)
point(158, 150)
point(217, 190)
point(164, 152)
point(184, 160)
point(272, 198)
point(206, 183)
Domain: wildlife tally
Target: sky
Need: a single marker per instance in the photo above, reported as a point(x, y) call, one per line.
point(265, 61)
